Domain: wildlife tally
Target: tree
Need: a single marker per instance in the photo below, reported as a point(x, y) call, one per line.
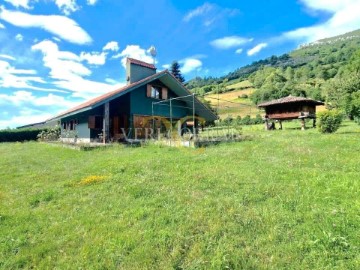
point(175, 70)
point(289, 74)
point(354, 63)
point(344, 91)
point(354, 106)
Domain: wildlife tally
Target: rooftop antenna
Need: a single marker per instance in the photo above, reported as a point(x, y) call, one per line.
point(153, 53)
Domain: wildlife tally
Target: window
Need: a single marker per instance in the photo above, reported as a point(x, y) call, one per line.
point(157, 92)
point(70, 125)
point(95, 122)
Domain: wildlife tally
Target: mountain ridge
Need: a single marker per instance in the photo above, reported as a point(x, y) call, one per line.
point(328, 54)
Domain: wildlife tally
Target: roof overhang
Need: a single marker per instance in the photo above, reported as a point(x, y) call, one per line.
point(180, 90)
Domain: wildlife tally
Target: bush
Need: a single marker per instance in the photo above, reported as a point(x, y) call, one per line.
point(228, 120)
point(246, 120)
point(329, 121)
point(19, 135)
point(51, 134)
point(237, 120)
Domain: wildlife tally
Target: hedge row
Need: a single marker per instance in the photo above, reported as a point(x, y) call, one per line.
point(246, 120)
point(19, 135)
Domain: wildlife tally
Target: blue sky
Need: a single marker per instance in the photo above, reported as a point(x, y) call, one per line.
point(55, 54)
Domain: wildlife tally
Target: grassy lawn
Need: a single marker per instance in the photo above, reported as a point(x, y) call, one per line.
point(285, 200)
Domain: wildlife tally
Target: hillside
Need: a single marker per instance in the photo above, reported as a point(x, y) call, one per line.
point(234, 101)
point(336, 50)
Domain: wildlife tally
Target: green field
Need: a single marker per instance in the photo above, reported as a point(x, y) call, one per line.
point(284, 200)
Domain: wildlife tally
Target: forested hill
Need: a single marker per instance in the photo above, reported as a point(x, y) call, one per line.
point(311, 64)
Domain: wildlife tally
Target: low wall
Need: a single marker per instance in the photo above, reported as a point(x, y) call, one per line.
point(75, 140)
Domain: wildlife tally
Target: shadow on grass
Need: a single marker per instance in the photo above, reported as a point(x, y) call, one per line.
point(348, 132)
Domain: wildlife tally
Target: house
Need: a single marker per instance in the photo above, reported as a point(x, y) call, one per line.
point(289, 108)
point(149, 100)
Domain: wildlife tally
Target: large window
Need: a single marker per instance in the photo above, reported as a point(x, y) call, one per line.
point(157, 92)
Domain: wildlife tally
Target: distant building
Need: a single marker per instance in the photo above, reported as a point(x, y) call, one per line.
point(44, 124)
point(290, 107)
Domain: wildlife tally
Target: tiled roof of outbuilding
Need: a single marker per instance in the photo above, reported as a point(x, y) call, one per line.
point(289, 99)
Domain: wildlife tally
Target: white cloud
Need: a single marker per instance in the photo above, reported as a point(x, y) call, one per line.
point(6, 68)
point(345, 18)
point(60, 26)
point(63, 65)
point(26, 117)
point(91, 2)
point(94, 58)
point(25, 98)
point(326, 5)
point(5, 56)
point(229, 42)
point(209, 13)
point(239, 51)
point(2, 26)
point(86, 89)
point(205, 8)
point(112, 81)
point(190, 64)
point(19, 37)
point(136, 52)
point(67, 6)
point(9, 78)
point(54, 38)
point(166, 66)
point(68, 73)
point(19, 3)
point(53, 100)
point(111, 46)
point(256, 49)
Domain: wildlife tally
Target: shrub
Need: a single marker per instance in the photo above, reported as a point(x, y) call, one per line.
point(246, 120)
point(19, 135)
point(52, 134)
point(329, 121)
point(237, 120)
point(228, 120)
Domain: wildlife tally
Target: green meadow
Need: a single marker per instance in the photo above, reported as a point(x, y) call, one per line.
point(282, 200)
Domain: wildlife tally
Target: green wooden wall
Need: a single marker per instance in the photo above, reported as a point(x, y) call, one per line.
point(141, 104)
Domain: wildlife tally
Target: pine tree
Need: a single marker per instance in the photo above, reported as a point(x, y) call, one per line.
point(175, 70)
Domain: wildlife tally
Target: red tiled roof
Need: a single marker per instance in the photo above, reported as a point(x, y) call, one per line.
point(140, 63)
point(289, 99)
point(103, 97)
